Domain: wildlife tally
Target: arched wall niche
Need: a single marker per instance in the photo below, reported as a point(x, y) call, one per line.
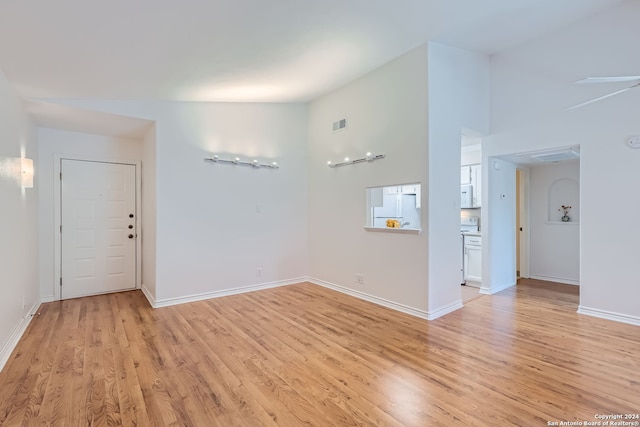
point(564, 191)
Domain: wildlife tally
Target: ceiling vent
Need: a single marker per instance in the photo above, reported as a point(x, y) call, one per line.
point(340, 125)
point(557, 155)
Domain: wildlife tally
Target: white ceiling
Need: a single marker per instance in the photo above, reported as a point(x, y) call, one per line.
point(245, 50)
point(52, 115)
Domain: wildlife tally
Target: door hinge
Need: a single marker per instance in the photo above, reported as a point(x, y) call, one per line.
point(60, 228)
point(60, 175)
point(60, 281)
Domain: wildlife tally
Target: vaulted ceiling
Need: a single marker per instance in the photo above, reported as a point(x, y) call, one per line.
point(245, 50)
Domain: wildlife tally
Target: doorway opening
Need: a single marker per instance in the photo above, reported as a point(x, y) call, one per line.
point(547, 215)
point(470, 215)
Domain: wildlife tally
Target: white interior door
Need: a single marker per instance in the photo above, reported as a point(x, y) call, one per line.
point(98, 234)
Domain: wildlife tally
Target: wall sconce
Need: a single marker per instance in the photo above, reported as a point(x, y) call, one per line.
point(236, 161)
point(26, 172)
point(367, 158)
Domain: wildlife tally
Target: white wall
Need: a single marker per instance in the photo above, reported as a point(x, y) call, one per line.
point(555, 245)
point(387, 114)
point(529, 112)
point(498, 225)
point(471, 154)
point(52, 142)
point(215, 224)
point(391, 111)
point(18, 221)
point(459, 85)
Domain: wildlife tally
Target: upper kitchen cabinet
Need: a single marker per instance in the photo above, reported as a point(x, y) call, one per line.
point(465, 175)
point(472, 175)
point(406, 189)
point(476, 181)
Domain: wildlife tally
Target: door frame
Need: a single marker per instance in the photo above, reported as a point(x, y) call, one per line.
point(57, 210)
point(525, 221)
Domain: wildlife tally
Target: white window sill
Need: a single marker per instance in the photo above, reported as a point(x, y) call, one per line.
point(395, 230)
point(562, 222)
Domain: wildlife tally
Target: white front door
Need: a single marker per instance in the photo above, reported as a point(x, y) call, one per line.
point(98, 234)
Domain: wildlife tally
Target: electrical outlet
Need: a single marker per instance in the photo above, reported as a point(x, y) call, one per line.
point(259, 271)
point(360, 278)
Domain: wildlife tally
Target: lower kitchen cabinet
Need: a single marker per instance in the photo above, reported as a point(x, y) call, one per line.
point(473, 260)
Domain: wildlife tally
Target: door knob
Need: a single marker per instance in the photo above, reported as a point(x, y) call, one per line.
point(131, 236)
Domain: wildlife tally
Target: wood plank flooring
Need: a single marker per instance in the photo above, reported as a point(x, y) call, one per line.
point(303, 355)
point(469, 293)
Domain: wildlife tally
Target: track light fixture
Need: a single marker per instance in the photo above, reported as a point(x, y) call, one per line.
point(347, 161)
point(236, 161)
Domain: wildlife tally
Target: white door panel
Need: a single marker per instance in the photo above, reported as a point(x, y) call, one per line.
point(98, 217)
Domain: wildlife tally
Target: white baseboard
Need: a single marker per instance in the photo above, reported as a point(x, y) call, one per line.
point(16, 334)
point(609, 315)
point(495, 289)
point(49, 298)
point(155, 303)
point(374, 299)
point(428, 315)
point(148, 295)
point(445, 310)
point(556, 279)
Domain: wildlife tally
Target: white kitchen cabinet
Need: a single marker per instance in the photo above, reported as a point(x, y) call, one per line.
point(393, 189)
point(465, 175)
point(472, 174)
point(410, 189)
point(476, 182)
point(403, 189)
point(406, 189)
point(473, 260)
point(413, 189)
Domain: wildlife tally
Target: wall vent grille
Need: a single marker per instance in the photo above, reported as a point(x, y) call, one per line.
point(557, 156)
point(340, 125)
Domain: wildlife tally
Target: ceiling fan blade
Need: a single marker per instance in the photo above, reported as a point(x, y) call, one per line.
point(582, 104)
point(608, 79)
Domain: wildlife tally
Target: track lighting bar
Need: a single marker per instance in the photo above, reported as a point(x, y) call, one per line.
point(368, 158)
point(236, 161)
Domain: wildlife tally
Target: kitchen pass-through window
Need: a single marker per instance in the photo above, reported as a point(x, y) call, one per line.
point(394, 207)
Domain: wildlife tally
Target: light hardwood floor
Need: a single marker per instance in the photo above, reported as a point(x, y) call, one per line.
point(304, 355)
point(469, 293)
